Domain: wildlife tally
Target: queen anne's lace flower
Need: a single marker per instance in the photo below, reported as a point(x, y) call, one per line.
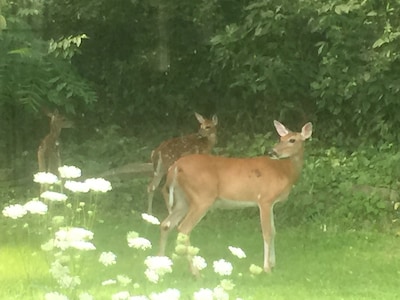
point(76, 186)
point(237, 252)
point(170, 294)
point(255, 269)
point(223, 267)
point(55, 296)
point(157, 266)
point(98, 184)
point(139, 243)
point(124, 295)
point(45, 178)
point(108, 282)
point(85, 296)
point(53, 196)
point(203, 294)
point(199, 262)
point(69, 172)
point(62, 275)
point(14, 211)
point(151, 219)
point(107, 258)
point(227, 284)
point(220, 294)
point(123, 280)
point(74, 237)
point(36, 207)
point(140, 297)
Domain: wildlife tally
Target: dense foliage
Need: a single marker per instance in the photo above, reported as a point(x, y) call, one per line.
point(132, 72)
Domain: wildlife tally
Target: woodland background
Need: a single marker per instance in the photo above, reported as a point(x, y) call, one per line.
point(131, 73)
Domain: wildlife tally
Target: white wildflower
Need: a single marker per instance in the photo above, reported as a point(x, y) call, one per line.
point(98, 184)
point(161, 264)
point(181, 249)
point(82, 245)
point(124, 295)
point(227, 284)
point(62, 275)
point(55, 296)
point(48, 246)
point(73, 237)
point(182, 238)
point(69, 172)
point(152, 276)
point(192, 251)
point(139, 243)
point(220, 294)
point(14, 211)
point(157, 266)
point(170, 294)
point(76, 186)
point(136, 285)
point(238, 252)
point(203, 294)
point(150, 219)
point(132, 235)
point(36, 207)
point(85, 296)
point(58, 220)
point(256, 270)
point(108, 282)
point(45, 178)
point(222, 267)
point(199, 262)
point(107, 258)
point(138, 298)
point(123, 280)
point(53, 196)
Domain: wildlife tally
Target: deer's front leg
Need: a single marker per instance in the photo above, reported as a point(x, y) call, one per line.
point(268, 231)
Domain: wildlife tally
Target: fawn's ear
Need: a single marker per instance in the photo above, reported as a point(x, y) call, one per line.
point(215, 120)
point(199, 117)
point(52, 114)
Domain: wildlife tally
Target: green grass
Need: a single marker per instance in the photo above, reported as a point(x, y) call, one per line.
point(311, 263)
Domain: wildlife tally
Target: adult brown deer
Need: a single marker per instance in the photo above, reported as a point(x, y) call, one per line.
point(170, 150)
point(48, 152)
point(197, 182)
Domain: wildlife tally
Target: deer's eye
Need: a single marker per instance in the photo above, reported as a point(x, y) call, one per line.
point(292, 141)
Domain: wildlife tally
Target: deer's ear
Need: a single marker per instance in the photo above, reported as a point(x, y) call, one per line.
point(51, 114)
point(306, 131)
point(280, 128)
point(199, 117)
point(215, 120)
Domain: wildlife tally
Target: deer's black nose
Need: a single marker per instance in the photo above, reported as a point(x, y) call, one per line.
point(272, 153)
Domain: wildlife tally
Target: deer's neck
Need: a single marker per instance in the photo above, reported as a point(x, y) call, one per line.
point(55, 132)
point(210, 140)
point(294, 165)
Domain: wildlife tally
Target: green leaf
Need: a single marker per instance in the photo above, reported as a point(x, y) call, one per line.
point(379, 42)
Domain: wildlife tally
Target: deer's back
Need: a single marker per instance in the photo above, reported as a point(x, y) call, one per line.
point(175, 148)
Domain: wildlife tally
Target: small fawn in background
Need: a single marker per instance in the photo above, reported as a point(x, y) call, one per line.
point(198, 182)
point(170, 150)
point(49, 149)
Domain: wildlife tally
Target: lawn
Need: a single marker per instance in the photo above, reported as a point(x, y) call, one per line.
point(312, 262)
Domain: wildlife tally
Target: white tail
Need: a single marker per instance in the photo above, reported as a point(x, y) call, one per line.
point(197, 182)
point(48, 151)
point(170, 150)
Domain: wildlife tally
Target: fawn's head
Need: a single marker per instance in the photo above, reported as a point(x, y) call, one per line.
point(58, 121)
point(207, 127)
